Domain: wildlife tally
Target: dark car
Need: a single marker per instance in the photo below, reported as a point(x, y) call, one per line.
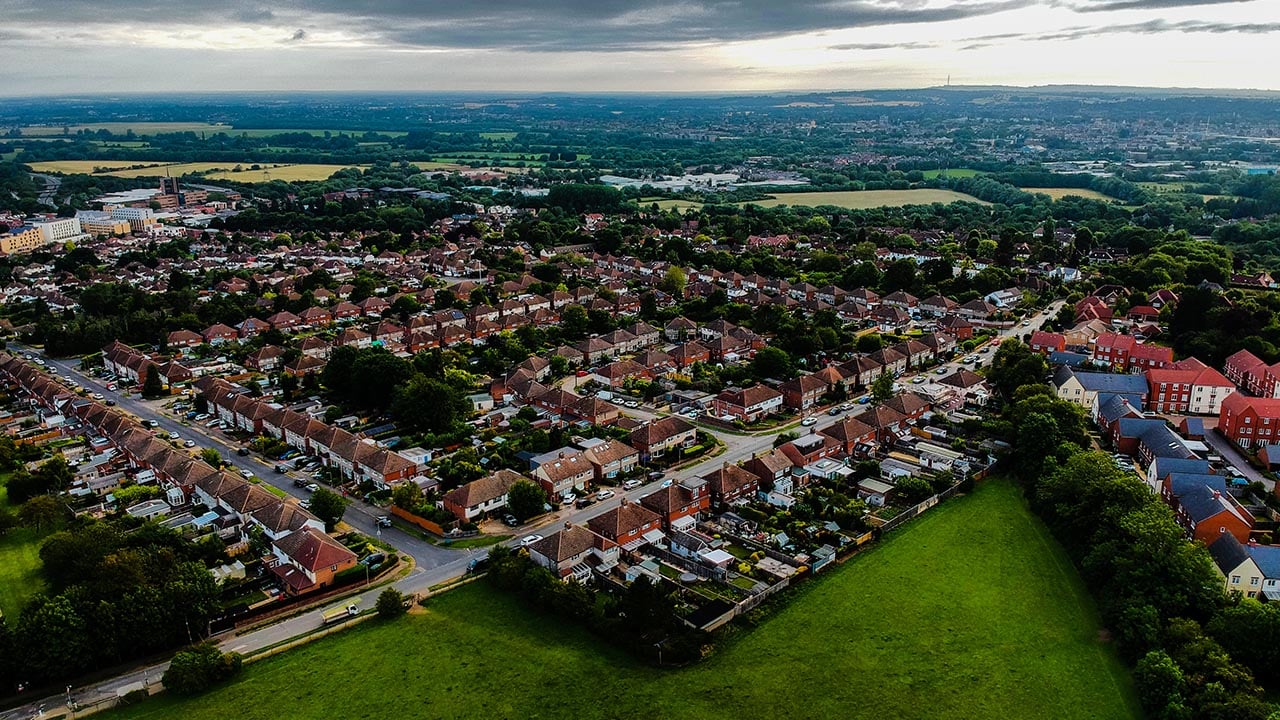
point(478, 565)
point(242, 452)
point(511, 520)
point(374, 559)
point(281, 468)
point(584, 501)
point(301, 482)
point(383, 521)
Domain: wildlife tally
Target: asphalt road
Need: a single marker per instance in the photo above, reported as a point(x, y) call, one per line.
point(50, 192)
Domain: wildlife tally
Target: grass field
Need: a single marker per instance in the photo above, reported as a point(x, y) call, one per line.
point(290, 173)
point(19, 565)
point(138, 128)
point(1059, 193)
point(863, 199)
point(215, 170)
point(667, 204)
point(266, 132)
point(971, 612)
point(952, 172)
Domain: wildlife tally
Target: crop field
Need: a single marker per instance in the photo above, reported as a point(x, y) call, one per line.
point(289, 173)
point(88, 166)
point(952, 173)
point(669, 204)
point(267, 132)
point(863, 199)
point(138, 128)
point(970, 612)
point(1059, 193)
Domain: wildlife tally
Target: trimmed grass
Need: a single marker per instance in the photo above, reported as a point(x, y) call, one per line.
point(863, 199)
point(290, 173)
point(19, 564)
point(680, 206)
point(970, 612)
point(1059, 193)
point(213, 170)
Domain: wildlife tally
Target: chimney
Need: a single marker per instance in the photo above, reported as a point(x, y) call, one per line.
point(561, 453)
point(624, 501)
point(567, 525)
point(1217, 495)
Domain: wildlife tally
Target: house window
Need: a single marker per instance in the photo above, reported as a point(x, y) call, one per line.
point(1253, 581)
point(1235, 579)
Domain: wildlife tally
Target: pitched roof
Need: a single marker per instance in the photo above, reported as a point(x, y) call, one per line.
point(487, 488)
point(311, 549)
point(569, 542)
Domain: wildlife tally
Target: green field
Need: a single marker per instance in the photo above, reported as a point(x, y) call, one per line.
point(19, 565)
point(1059, 193)
point(668, 204)
point(267, 132)
point(971, 612)
point(952, 173)
point(864, 199)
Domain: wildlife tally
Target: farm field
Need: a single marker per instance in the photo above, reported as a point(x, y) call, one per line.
point(863, 199)
point(289, 173)
point(1059, 193)
point(952, 172)
point(970, 612)
point(266, 132)
point(138, 128)
point(88, 166)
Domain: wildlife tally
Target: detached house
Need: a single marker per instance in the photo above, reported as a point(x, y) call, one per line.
point(482, 496)
point(747, 404)
point(575, 552)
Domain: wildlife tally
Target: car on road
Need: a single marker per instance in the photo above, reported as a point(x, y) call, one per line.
point(809, 421)
point(864, 399)
point(99, 396)
point(150, 423)
point(846, 407)
point(631, 484)
point(632, 404)
point(986, 349)
point(280, 468)
point(940, 371)
point(584, 502)
point(111, 403)
point(173, 435)
point(189, 443)
point(667, 483)
point(478, 565)
point(383, 521)
point(528, 540)
point(510, 520)
point(971, 359)
point(111, 387)
point(300, 482)
point(311, 487)
point(246, 474)
point(1025, 323)
point(604, 494)
point(568, 499)
point(242, 452)
point(834, 411)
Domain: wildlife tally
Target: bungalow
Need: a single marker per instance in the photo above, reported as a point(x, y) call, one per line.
point(482, 496)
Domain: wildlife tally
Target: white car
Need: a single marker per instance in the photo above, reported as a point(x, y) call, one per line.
point(528, 540)
point(173, 435)
point(189, 443)
point(632, 404)
point(604, 494)
point(246, 474)
point(631, 484)
point(568, 499)
point(98, 396)
point(809, 421)
point(940, 371)
point(918, 380)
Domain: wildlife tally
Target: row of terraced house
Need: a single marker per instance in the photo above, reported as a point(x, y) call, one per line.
point(302, 556)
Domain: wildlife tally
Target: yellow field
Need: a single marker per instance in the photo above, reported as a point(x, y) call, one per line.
point(677, 205)
point(139, 128)
point(1059, 193)
point(863, 199)
point(87, 166)
point(288, 173)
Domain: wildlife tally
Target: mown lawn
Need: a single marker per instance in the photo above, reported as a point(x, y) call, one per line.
point(970, 612)
point(19, 563)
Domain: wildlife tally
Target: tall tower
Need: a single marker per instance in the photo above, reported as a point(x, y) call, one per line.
point(169, 186)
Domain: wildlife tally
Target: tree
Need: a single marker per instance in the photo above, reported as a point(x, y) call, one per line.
point(1159, 682)
point(41, 512)
point(200, 667)
point(525, 499)
point(882, 387)
point(913, 489)
point(391, 604)
point(573, 321)
point(1250, 631)
point(772, 362)
point(151, 386)
point(674, 281)
point(211, 456)
point(329, 506)
point(428, 405)
point(1016, 365)
point(869, 343)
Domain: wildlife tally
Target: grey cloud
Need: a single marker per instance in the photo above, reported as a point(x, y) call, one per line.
point(298, 36)
point(1150, 27)
point(885, 46)
point(1108, 5)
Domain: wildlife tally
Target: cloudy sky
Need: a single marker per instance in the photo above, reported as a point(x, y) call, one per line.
point(74, 46)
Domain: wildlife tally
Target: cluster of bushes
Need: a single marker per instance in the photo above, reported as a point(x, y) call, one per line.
point(200, 667)
point(643, 618)
point(1157, 591)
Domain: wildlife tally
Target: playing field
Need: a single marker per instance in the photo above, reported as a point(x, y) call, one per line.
point(951, 173)
point(971, 612)
point(863, 199)
point(19, 565)
point(1059, 193)
point(138, 128)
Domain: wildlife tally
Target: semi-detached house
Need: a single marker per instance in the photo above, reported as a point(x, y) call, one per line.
point(747, 404)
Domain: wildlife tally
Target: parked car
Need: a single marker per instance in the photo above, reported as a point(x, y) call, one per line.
point(528, 540)
point(940, 371)
point(246, 474)
point(568, 499)
point(864, 399)
point(584, 502)
point(189, 444)
point(242, 452)
point(300, 482)
point(809, 421)
point(98, 396)
point(631, 484)
point(632, 404)
point(510, 520)
point(478, 565)
point(201, 417)
point(111, 403)
point(833, 411)
point(374, 559)
point(280, 468)
point(604, 494)
point(311, 487)
point(173, 435)
point(918, 380)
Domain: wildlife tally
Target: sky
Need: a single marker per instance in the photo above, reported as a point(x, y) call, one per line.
point(81, 46)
